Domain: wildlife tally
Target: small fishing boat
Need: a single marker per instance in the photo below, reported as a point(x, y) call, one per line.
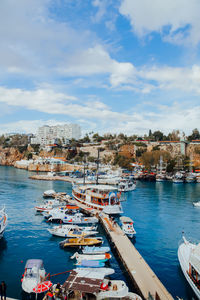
point(77, 242)
point(95, 250)
point(100, 272)
point(79, 218)
point(57, 212)
point(91, 281)
point(127, 226)
point(189, 259)
point(116, 289)
point(178, 178)
point(90, 264)
point(190, 177)
point(100, 257)
point(48, 205)
point(34, 274)
point(3, 221)
point(49, 194)
point(126, 185)
point(71, 231)
point(197, 204)
point(62, 230)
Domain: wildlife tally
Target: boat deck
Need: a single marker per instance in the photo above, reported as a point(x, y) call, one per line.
point(141, 275)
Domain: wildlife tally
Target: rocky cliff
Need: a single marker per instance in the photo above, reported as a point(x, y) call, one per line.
point(8, 156)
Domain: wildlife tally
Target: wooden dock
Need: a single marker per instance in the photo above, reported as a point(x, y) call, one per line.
point(141, 275)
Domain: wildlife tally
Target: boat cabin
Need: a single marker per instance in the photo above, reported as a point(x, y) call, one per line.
point(97, 194)
point(32, 267)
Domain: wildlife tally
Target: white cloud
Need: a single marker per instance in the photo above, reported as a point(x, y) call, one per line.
point(182, 79)
point(97, 61)
point(101, 6)
point(166, 119)
point(31, 41)
point(51, 102)
point(177, 21)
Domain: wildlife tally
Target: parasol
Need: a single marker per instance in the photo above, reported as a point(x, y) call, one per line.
point(42, 287)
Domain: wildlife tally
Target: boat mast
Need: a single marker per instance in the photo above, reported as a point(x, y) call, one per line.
point(84, 165)
point(97, 161)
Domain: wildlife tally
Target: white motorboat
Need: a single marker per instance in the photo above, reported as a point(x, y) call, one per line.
point(178, 178)
point(34, 274)
point(102, 197)
point(93, 281)
point(112, 289)
point(49, 194)
point(190, 177)
point(160, 177)
point(126, 185)
point(98, 272)
point(101, 257)
point(49, 205)
point(3, 221)
point(127, 226)
point(72, 231)
point(79, 218)
point(189, 259)
point(196, 204)
point(95, 250)
point(58, 212)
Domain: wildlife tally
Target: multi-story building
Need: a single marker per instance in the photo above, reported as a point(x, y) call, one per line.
point(52, 134)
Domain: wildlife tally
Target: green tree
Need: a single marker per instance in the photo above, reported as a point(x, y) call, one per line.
point(158, 135)
point(195, 135)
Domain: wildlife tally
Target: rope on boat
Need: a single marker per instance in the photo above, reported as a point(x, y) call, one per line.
point(59, 273)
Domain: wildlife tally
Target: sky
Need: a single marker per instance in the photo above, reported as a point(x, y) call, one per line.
point(111, 66)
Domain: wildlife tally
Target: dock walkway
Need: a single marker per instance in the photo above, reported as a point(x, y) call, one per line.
point(142, 276)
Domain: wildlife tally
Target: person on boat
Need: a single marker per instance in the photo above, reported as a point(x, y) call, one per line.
point(3, 290)
point(49, 295)
point(58, 291)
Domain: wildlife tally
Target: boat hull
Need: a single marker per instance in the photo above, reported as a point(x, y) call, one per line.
point(3, 222)
point(183, 256)
point(83, 242)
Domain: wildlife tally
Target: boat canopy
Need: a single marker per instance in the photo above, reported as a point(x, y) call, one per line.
point(126, 220)
point(195, 258)
point(38, 263)
point(77, 282)
point(100, 187)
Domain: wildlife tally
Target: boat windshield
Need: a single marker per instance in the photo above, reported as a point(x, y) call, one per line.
point(31, 273)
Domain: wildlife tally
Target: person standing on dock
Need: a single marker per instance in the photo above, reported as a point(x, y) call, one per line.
point(3, 290)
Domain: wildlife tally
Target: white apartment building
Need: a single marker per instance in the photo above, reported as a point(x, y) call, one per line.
point(50, 134)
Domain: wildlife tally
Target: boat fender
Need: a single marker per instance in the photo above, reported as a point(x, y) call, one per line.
point(22, 277)
point(104, 286)
point(119, 195)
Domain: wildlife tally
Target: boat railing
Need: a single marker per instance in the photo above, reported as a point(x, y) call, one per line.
point(98, 195)
point(197, 283)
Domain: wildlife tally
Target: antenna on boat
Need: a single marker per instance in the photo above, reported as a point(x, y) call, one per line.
point(98, 166)
point(97, 162)
point(84, 165)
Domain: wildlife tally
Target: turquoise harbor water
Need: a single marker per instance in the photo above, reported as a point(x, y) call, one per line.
point(161, 212)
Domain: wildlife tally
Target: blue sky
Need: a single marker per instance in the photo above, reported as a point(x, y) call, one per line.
point(108, 65)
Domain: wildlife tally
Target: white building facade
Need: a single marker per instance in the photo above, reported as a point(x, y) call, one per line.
point(47, 135)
